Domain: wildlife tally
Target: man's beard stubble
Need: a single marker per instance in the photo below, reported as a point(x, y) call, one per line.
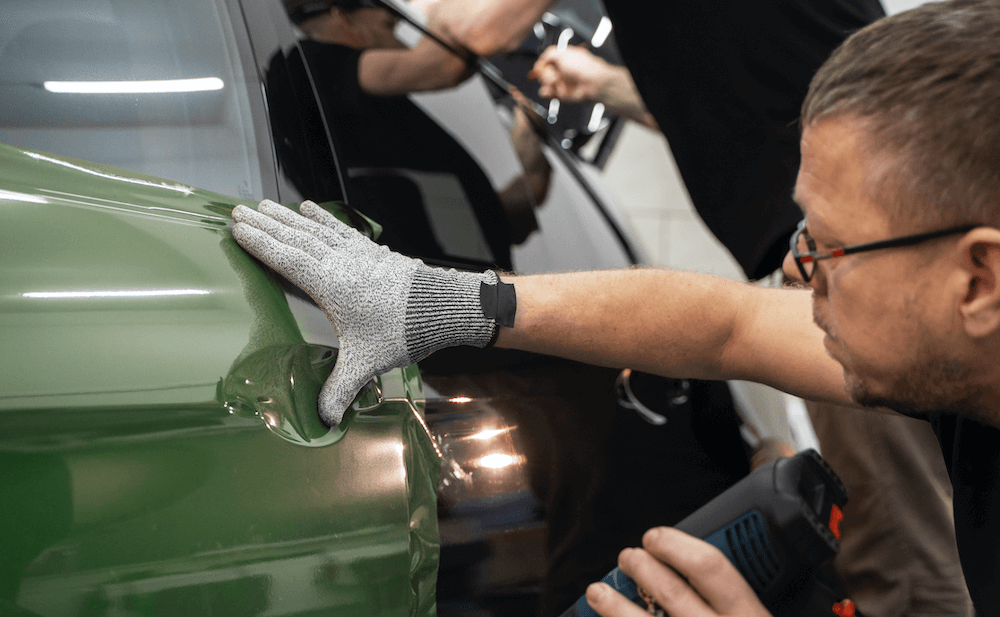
point(938, 386)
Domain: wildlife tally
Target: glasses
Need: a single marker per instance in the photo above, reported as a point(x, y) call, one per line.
point(803, 247)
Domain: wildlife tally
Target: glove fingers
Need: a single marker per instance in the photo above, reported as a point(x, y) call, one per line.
point(290, 218)
point(295, 265)
point(329, 221)
point(284, 234)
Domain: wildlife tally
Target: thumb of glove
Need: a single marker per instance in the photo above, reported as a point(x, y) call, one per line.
point(341, 387)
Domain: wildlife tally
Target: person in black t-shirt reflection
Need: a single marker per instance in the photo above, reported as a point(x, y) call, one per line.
point(397, 158)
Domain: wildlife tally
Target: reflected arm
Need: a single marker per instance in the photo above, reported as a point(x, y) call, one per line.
point(426, 67)
point(490, 27)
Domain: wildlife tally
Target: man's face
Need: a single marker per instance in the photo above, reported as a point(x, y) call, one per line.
point(886, 321)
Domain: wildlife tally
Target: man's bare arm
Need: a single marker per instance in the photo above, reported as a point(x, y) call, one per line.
point(677, 324)
point(671, 323)
point(490, 27)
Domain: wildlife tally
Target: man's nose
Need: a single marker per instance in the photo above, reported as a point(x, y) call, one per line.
point(790, 269)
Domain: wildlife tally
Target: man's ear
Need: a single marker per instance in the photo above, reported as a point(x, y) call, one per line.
point(979, 257)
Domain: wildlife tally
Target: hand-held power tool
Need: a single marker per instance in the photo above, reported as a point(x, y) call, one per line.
point(780, 527)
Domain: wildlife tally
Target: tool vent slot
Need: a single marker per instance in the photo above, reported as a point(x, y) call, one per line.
point(746, 543)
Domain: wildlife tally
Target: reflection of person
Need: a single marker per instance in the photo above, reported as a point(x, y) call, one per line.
point(385, 67)
point(529, 190)
point(575, 75)
point(361, 73)
point(723, 81)
point(901, 256)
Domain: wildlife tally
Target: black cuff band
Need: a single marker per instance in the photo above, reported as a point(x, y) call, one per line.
point(499, 303)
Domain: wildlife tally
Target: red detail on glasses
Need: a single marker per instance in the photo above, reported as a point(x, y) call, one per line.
point(836, 515)
point(844, 608)
point(837, 253)
point(806, 259)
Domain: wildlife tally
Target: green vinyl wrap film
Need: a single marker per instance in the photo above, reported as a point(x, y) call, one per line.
point(159, 441)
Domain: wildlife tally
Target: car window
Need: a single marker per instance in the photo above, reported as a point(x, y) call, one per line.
point(569, 229)
point(153, 87)
point(406, 171)
point(454, 179)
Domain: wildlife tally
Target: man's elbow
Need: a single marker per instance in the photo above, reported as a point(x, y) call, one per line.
point(484, 39)
point(446, 75)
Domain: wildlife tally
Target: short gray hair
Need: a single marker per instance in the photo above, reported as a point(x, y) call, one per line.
point(925, 86)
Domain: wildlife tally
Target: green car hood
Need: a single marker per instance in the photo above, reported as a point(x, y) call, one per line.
point(158, 429)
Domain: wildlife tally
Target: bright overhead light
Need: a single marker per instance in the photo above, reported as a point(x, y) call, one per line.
point(553, 111)
point(15, 196)
point(601, 34)
point(595, 118)
point(489, 433)
point(152, 86)
point(564, 38)
point(180, 188)
point(498, 460)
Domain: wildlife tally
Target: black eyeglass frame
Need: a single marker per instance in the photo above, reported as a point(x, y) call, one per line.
point(813, 256)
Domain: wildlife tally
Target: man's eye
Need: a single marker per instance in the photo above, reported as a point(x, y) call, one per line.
point(816, 245)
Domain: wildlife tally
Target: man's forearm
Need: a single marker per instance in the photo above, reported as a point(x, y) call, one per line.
point(676, 324)
point(621, 96)
point(660, 321)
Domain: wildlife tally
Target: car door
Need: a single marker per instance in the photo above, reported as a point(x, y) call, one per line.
point(446, 175)
point(158, 434)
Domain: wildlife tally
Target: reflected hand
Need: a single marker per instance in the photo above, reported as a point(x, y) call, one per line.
point(388, 310)
point(572, 75)
point(687, 577)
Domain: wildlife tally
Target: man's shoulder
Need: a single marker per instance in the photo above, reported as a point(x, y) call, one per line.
point(971, 449)
point(972, 453)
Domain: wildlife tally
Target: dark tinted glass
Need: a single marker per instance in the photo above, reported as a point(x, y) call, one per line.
point(449, 175)
point(405, 170)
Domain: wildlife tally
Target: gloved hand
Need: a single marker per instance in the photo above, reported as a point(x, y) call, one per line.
point(388, 310)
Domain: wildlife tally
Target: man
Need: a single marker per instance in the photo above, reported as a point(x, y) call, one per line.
point(383, 65)
point(361, 74)
point(900, 251)
point(898, 556)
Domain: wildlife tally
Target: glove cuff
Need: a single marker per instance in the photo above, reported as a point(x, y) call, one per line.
point(445, 309)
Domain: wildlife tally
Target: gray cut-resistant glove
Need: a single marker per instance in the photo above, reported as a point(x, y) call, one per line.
point(388, 310)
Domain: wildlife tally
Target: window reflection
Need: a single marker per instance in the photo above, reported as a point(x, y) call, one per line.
point(146, 86)
point(143, 85)
point(404, 169)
